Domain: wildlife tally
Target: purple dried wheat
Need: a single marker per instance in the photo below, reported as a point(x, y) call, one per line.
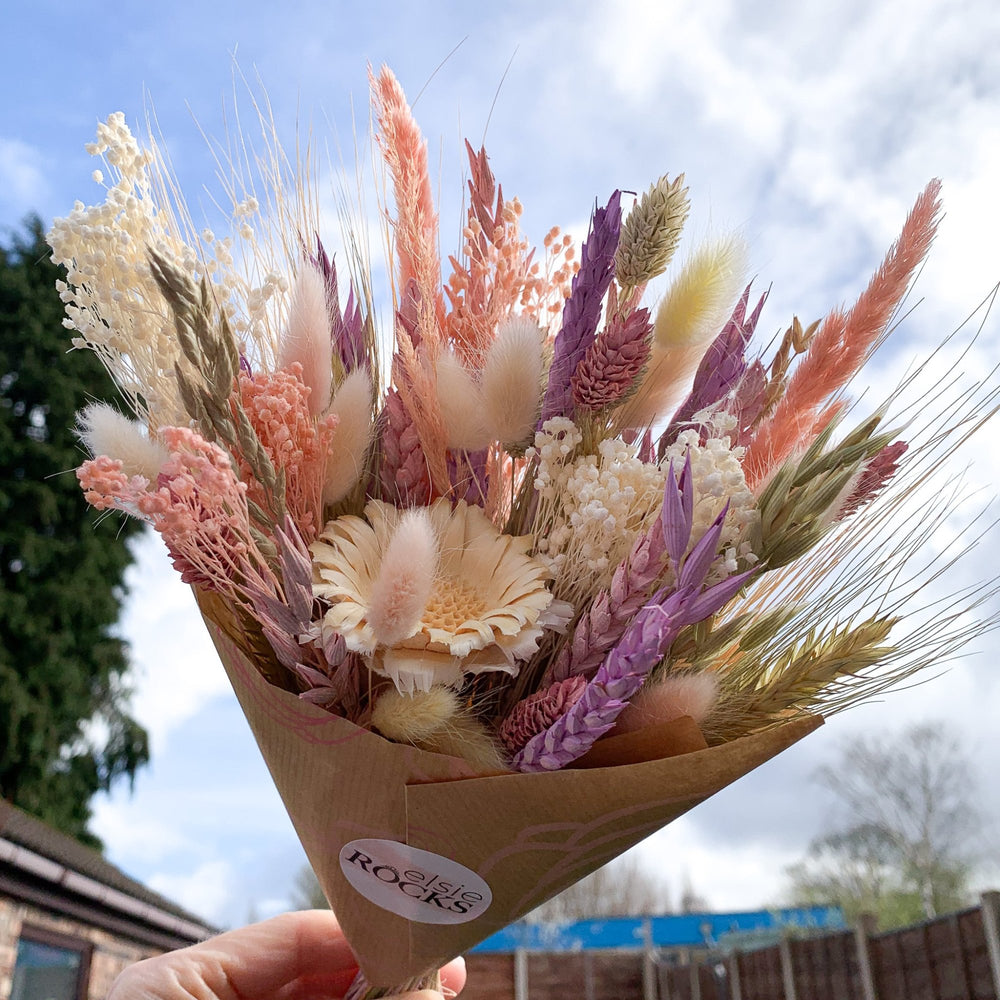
point(582, 311)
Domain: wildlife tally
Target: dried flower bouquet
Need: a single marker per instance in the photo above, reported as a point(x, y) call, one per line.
point(542, 534)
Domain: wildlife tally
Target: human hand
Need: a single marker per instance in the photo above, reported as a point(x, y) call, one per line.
point(297, 956)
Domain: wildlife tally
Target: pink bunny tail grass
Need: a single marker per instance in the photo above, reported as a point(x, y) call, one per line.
point(842, 344)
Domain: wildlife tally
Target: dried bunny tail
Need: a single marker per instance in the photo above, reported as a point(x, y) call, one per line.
point(694, 695)
point(352, 405)
point(434, 720)
point(400, 593)
point(694, 311)
point(512, 381)
point(105, 431)
point(467, 738)
point(843, 343)
point(306, 339)
point(414, 718)
point(461, 404)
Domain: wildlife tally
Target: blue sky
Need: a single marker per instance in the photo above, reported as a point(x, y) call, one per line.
point(810, 127)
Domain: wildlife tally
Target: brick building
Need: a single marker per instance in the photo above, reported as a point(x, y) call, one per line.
point(69, 920)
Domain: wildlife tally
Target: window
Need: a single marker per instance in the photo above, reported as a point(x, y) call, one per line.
point(50, 966)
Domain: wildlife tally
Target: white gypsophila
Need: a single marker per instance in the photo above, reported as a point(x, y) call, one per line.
point(110, 296)
point(112, 301)
point(597, 504)
point(717, 477)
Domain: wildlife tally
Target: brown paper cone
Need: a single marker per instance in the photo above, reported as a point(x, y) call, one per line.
point(527, 836)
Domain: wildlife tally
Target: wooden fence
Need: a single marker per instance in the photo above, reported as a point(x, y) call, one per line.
point(956, 957)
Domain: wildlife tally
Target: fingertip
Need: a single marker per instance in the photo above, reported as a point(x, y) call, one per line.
point(453, 977)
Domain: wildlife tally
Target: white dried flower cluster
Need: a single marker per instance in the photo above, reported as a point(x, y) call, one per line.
point(600, 503)
point(111, 299)
point(717, 476)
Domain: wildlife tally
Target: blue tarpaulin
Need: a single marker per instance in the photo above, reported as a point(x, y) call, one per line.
point(698, 930)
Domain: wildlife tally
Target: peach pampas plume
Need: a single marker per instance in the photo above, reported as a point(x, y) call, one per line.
point(399, 595)
point(105, 431)
point(696, 307)
point(461, 404)
point(415, 228)
point(842, 344)
point(512, 381)
point(352, 404)
point(306, 339)
point(693, 695)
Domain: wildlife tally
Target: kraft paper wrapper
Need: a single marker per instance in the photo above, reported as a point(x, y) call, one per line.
point(528, 835)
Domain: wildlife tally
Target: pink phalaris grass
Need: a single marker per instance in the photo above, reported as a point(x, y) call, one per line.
point(534, 714)
point(404, 477)
point(277, 406)
point(844, 341)
point(414, 377)
point(613, 362)
point(582, 311)
point(873, 479)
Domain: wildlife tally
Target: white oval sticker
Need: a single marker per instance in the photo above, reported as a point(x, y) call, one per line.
point(414, 884)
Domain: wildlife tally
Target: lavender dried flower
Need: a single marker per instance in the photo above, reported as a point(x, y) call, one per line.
point(347, 327)
point(643, 645)
point(534, 714)
point(582, 311)
point(721, 369)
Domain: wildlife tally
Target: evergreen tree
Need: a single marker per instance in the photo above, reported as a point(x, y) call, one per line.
point(65, 732)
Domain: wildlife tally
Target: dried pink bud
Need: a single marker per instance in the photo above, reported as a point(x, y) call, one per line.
point(608, 371)
point(537, 712)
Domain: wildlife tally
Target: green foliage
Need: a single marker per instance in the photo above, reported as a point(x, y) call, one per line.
point(907, 852)
point(65, 733)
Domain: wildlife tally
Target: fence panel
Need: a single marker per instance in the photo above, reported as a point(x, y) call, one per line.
point(943, 959)
point(491, 977)
point(760, 974)
point(826, 967)
point(975, 954)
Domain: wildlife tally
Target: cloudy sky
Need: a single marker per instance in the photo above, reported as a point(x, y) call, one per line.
point(809, 127)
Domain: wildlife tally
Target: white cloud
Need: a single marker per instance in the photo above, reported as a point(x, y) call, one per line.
point(176, 670)
point(205, 891)
point(128, 832)
point(738, 876)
